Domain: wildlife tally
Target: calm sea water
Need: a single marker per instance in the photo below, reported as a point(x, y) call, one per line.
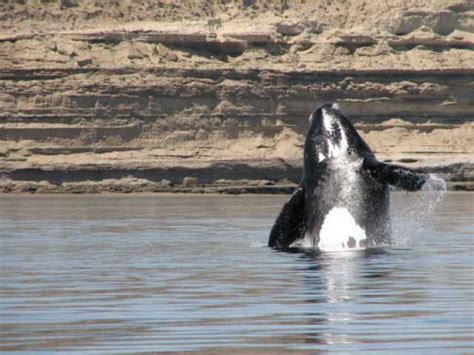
point(178, 273)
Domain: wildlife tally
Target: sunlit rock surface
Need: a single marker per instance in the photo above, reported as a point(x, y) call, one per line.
point(150, 96)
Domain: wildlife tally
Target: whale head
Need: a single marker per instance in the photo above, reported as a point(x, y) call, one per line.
point(332, 135)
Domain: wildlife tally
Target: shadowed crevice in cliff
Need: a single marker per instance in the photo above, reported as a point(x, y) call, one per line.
point(206, 175)
point(217, 95)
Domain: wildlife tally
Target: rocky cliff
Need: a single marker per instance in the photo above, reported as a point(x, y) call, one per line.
point(196, 95)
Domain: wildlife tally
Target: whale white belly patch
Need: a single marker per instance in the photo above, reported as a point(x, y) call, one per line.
point(340, 231)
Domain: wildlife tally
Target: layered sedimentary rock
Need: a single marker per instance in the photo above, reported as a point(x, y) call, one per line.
point(159, 96)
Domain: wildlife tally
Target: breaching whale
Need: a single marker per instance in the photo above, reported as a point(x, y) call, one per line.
point(342, 201)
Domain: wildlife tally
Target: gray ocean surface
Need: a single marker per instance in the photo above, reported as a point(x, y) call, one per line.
point(130, 273)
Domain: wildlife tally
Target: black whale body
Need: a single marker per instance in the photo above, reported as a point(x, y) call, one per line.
point(343, 198)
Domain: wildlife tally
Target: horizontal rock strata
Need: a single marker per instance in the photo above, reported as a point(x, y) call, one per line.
point(220, 103)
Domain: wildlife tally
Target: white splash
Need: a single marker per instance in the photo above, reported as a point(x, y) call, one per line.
point(411, 216)
point(434, 183)
point(305, 243)
point(341, 232)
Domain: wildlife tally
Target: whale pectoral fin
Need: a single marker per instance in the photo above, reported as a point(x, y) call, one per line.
point(290, 224)
point(395, 175)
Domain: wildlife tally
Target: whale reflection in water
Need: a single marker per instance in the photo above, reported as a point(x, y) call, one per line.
point(342, 288)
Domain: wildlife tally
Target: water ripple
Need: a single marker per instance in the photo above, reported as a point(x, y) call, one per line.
point(181, 273)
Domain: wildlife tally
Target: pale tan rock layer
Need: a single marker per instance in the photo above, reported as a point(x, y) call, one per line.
point(206, 96)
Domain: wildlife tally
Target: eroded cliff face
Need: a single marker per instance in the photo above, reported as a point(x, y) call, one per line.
point(156, 96)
